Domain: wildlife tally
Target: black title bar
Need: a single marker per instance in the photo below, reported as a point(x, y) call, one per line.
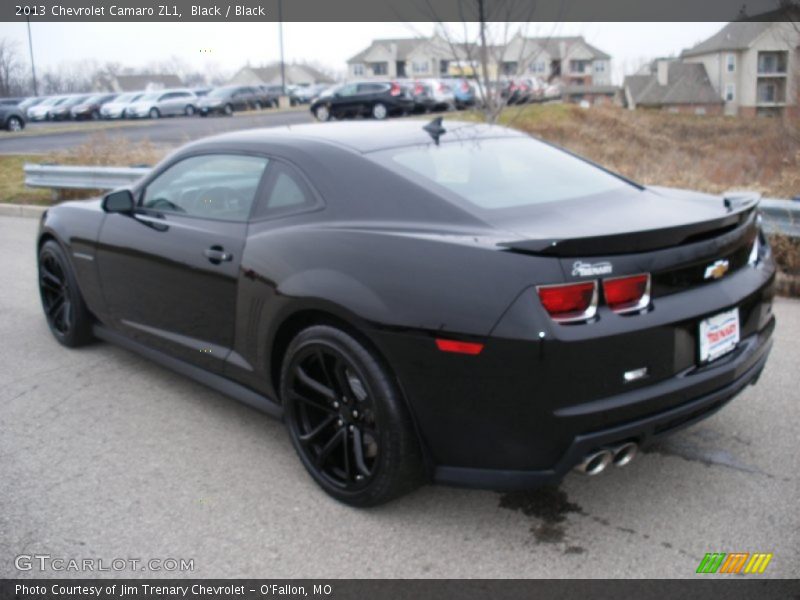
point(389, 10)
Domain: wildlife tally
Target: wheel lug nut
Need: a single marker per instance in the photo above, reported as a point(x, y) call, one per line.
point(355, 414)
point(340, 422)
point(359, 477)
point(352, 428)
point(335, 405)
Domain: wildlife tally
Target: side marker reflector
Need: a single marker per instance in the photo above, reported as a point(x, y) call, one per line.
point(459, 347)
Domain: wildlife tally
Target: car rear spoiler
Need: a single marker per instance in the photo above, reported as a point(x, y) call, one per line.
point(741, 207)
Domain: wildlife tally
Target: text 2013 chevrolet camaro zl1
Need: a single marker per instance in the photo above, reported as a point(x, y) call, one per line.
point(459, 303)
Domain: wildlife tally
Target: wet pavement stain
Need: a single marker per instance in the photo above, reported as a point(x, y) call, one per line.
point(574, 550)
point(710, 457)
point(549, 504)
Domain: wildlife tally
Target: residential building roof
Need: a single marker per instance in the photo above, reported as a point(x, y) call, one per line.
point(734, 36)
point(557, 47)
point(405, 46)
point(687, 83)
point(295, 73)
point(134, 83)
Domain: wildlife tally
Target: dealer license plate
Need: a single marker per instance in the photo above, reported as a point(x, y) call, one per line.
point(719, 335)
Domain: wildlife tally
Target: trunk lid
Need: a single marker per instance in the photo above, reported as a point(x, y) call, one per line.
point(627, 222)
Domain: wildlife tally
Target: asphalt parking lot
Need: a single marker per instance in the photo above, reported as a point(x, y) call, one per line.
point(40, 138)
point(106, 455)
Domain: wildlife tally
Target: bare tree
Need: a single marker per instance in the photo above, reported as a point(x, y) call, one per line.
point(11, 70)
point(497, 48)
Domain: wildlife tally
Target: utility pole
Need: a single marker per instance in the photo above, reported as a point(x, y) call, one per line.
point(280, 37)
point(30, 49)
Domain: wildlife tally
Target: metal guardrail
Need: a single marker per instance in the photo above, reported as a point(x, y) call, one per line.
point(59, 177)
point(779, 216)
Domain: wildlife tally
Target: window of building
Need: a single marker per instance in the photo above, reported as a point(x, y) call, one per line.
point(772, 63)
point(380, 68)
point(419, 66)
point(358, 70)
point(599, 66)
point(579, 66)
point(730, 92)
point(730, 61)
point(538, 66)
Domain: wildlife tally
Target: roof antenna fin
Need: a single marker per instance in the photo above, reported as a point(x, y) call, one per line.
point(435, 129)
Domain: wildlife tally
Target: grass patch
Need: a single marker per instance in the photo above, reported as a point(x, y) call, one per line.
point(707, 153)
point(12, 181)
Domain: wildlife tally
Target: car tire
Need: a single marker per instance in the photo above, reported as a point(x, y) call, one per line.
point(228, 110)
point(14, 124)
point(189, 110)
point(379, 111)
point(362, 449)
point(154, 113)
point(66, 313)
point(322, 113)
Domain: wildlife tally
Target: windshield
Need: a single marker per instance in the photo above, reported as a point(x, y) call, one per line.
point(150, 97)
point(126, 98)
point(220, 92)
point(502, 173)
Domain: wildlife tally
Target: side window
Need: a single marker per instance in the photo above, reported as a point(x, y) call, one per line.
point(287, 192)
point(211, 186)
point(347, 90)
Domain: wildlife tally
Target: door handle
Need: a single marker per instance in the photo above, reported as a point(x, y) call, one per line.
point(217, 255)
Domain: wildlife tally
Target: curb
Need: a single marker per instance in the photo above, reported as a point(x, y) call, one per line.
point(21, 210)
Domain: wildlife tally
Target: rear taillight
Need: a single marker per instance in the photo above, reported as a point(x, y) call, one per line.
point(627, 294)
point(395, 90)
point(570, 302)
point(418, 89)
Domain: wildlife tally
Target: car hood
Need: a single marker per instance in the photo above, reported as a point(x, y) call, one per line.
point(630, 220)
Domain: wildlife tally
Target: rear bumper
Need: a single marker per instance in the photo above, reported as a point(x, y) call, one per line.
point(748, 360)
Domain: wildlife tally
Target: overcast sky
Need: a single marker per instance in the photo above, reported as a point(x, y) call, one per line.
point(228, 46)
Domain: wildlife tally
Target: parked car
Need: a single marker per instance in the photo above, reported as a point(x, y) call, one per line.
point(41, 111)
point(117, 108)
point(463, 91)
point(90, 107)
point(378, 99)
point(165, 103)
point(201, 91)
point(63, 110)
point(304, 94)
point(29, 102)
point(11, 117)
point(443, 96)
point(10, 101)
point(422, 93)
point(486, 311)
point(226, 100)
point(269, 94)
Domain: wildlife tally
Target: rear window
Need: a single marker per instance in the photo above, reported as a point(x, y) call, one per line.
point(502, 173)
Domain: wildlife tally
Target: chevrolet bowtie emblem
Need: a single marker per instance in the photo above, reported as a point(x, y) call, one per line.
point(717, 269)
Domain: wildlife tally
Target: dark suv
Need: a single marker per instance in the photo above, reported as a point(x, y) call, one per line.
point(378, 99)
point(226, 100)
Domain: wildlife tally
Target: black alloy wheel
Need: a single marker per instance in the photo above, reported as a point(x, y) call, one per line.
point(347, 420)
point(67, 316)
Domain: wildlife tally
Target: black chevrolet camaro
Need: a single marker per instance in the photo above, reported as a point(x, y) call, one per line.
point(453, 302)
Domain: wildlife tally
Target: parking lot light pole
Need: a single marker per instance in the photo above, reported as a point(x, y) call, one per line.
point(30, 49)
point(280, 39)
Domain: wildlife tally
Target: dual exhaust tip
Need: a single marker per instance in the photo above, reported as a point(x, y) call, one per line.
point(596, 462)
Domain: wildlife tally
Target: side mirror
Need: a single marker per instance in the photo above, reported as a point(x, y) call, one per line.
point(120, 201)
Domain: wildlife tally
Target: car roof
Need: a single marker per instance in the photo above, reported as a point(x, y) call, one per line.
point(365, 136)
